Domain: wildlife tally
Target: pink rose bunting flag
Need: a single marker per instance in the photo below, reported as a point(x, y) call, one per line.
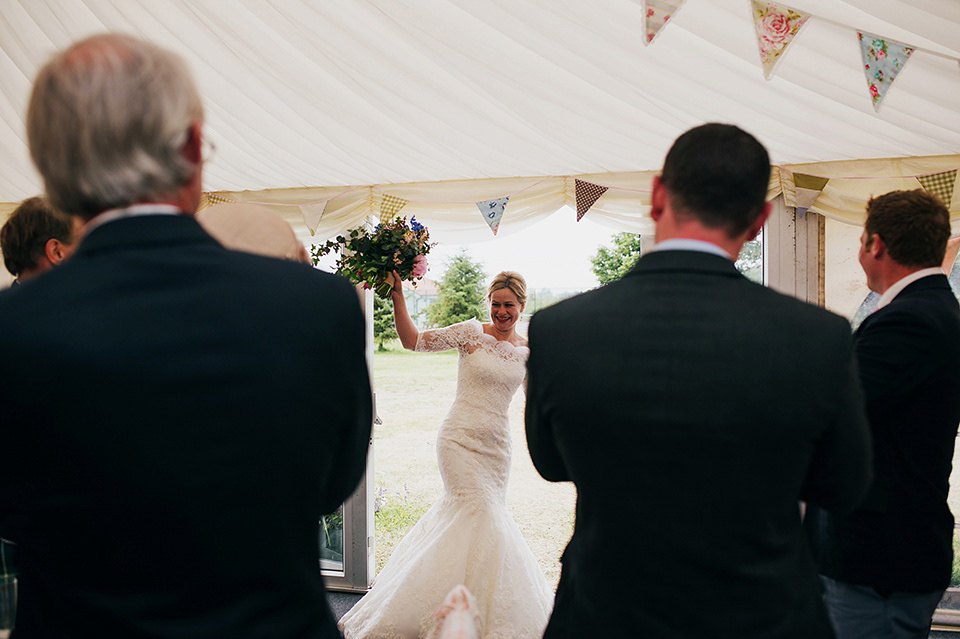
point(776, 26)
point(808, 189)
point(492, 211)
point(882, 61)
point(940, 185)
point(390, 205)
point(656, 14)
point(587, 194)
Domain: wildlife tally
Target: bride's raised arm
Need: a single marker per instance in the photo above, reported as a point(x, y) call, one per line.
point(406, 329)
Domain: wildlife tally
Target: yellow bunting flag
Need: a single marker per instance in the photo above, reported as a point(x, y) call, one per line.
point(312, 213)
point(940, 185)
point(390, 205)
point(210, 199)
point(587, 194)
point(776, 27)
point(808, 189)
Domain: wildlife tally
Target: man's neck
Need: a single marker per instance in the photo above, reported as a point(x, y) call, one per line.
point(893, 274)
point(700, 233)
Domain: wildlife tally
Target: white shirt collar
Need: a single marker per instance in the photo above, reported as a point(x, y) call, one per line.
point(904, 282)
point(685, 244)
point(130, 211)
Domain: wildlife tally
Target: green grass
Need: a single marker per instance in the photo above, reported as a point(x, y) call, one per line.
point(395, 516)
point(955, 576)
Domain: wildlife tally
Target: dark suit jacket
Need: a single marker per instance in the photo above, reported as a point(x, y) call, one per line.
point(901, 536)
point(693, 409)
point(176, 418)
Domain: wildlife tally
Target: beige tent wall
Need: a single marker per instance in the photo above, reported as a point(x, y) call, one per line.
point(449, 208)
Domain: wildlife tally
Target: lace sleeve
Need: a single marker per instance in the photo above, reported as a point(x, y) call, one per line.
point(453, 336)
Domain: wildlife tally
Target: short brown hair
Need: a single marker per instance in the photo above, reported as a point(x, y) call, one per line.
point(24, 236)
point(914, 226)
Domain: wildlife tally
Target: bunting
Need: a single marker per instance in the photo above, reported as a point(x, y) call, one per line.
point(656, 13)
point(492, 211)
point(808, 189)
point(312, 213)
point(211, 199)
point(940, 185)
point(390, 205)
point(882, 61)
point(776, 27)
point(587, 194)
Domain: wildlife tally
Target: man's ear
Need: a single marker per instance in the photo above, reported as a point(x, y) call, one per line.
point(657, 199)
point(54, 251)
point(192, 147)
point(877, 248)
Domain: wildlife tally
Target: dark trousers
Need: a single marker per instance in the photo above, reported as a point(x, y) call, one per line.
point(860, 612)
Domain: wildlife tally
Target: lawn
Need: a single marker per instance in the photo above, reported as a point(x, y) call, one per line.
point(414, 392)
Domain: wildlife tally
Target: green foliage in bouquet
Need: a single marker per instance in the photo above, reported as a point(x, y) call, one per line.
point(368, 257)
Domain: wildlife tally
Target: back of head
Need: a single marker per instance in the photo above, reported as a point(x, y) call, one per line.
point(914, 226)
point(107, 122)
point(253, 229)
point(717, 174)
point(512, 281)
point(25, 234)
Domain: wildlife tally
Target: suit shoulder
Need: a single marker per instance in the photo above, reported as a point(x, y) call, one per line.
point(292, 272)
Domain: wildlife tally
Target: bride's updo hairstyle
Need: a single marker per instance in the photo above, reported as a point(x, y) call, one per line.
point(509, 280)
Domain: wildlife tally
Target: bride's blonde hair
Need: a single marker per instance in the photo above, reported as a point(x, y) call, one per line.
point(510, 280)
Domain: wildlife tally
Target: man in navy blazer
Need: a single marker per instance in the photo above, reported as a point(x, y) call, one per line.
point(693, 410)
point(177, 416)
point(886, 565)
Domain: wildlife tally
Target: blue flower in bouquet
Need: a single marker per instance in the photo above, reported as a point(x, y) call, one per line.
point(369, 257)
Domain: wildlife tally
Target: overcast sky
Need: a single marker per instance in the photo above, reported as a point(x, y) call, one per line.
point(551, 254)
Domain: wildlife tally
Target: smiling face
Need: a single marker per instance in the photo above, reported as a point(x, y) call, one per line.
point(505, 310)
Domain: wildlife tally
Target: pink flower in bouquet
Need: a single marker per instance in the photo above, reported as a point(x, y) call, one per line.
point(419, 266)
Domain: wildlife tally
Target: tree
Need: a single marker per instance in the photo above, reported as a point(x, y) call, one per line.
point(460, 293)
point(750, 262)
point(612, 263)
point(383, 327)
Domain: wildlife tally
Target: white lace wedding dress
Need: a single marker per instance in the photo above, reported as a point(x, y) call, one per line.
point(467, 537)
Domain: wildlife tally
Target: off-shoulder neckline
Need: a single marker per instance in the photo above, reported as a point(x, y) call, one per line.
point(494, 339)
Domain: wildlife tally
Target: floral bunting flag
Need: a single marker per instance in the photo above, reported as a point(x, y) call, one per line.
point(940, 185)
point(390, 205)
point(312, 212)
point(587, 194)
point(808, 189)
point(656, 13)
point(882, 61)
point(492, 211)
point(776, 27)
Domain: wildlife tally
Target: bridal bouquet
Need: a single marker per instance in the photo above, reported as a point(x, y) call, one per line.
point(368, 257)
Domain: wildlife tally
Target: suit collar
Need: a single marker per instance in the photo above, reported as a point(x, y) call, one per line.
point(900, 285)
point(142, 231)
point(684, 261)
point(928, 283)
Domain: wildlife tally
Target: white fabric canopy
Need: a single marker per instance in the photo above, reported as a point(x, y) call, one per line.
point(324, 107)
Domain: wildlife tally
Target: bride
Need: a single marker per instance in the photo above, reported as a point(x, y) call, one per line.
point(467, 537)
